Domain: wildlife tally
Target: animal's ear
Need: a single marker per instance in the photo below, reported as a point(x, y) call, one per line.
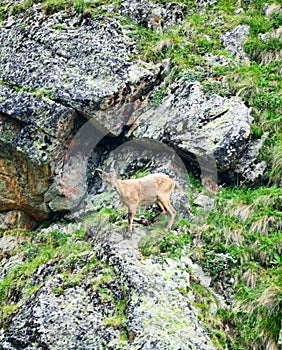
point(100, 172)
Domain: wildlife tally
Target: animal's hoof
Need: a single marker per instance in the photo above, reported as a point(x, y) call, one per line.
point(127, 235)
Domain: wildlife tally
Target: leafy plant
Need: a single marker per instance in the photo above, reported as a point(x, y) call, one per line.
point(158, 96)
point(214, 87)
point(174, 243)
point(38, 249)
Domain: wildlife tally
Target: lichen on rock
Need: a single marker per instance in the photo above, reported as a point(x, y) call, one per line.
point(80, 69)
point(198, 124)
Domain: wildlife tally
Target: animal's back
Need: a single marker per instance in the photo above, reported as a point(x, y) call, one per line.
point(154, 184)
point(161, 180)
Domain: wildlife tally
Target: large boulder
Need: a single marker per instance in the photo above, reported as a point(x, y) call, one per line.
point(32, 132)
point(60, 67)
point(105, 298)
point(84, 65)
point(154, 15)
point(212, 128)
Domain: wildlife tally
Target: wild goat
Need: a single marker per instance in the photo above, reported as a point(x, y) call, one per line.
point(148, 189)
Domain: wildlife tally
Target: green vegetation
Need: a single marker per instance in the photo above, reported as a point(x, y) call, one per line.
point(37, 92)
point(68, 255)
point(257, 82)
point(239, 241)
point(243, 240)
point(37, 249)
point(241, 249)
point(172, 244)
point(52, 6)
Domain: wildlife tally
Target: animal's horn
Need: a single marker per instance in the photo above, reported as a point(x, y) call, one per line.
point(100, 171)
point(113, 165)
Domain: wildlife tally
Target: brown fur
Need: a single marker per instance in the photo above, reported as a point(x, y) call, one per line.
point(148, 189)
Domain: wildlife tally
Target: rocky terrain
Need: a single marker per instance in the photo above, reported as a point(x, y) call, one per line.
point(84, 83)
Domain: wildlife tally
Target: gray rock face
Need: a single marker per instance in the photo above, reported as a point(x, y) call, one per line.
point(66, 315)
point(233, 41)
point(202, 4)
point(33, 125)
point(84, 67)
point(270, 9)
point(208, 127)
point(153, 15)
point(33, 130)
point(160, 316)
point(249, 168)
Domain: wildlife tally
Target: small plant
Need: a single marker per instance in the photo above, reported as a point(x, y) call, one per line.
point(217, 263)
point(118, 320)
point(277, 260)
point(149, 244)
point(174, 243)
point(158, 96)
point(214, 87)
point(192, 75)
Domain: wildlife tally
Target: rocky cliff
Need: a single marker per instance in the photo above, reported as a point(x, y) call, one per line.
point(63, 75)
point(76, 92)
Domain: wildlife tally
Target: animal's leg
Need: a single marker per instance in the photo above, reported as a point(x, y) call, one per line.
point(166, 204)
point(172, 213)
point(146, 222)
point(163, 210)
point(131, 214)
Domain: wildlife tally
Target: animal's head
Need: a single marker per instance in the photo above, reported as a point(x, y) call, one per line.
point(109, 177)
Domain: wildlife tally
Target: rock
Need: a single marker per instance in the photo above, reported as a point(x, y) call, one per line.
point(204, 279)
point(153, 15)
point(153, 304)
point(219, 60)
point(211, 128)
point(249, 169)
point(32, 132)
point(202, 4)
point(204, 201)
point(86, 68)
point(69, 186)
point(72, 319)
point(7, 243)
point(7, 263)
point(233, 39)
point(16, 218)
point(117, 295)
point(270, 9)
point(9, 257)
point(275, 34)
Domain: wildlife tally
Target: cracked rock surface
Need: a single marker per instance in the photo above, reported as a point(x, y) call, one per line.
point(53, 69)
point(66, 315)
point(204, 125)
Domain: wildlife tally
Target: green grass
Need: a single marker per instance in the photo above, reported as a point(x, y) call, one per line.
point(240, 241)
point(52, 6)
point(243, 241)
point(37, 249)
point(241, 236)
